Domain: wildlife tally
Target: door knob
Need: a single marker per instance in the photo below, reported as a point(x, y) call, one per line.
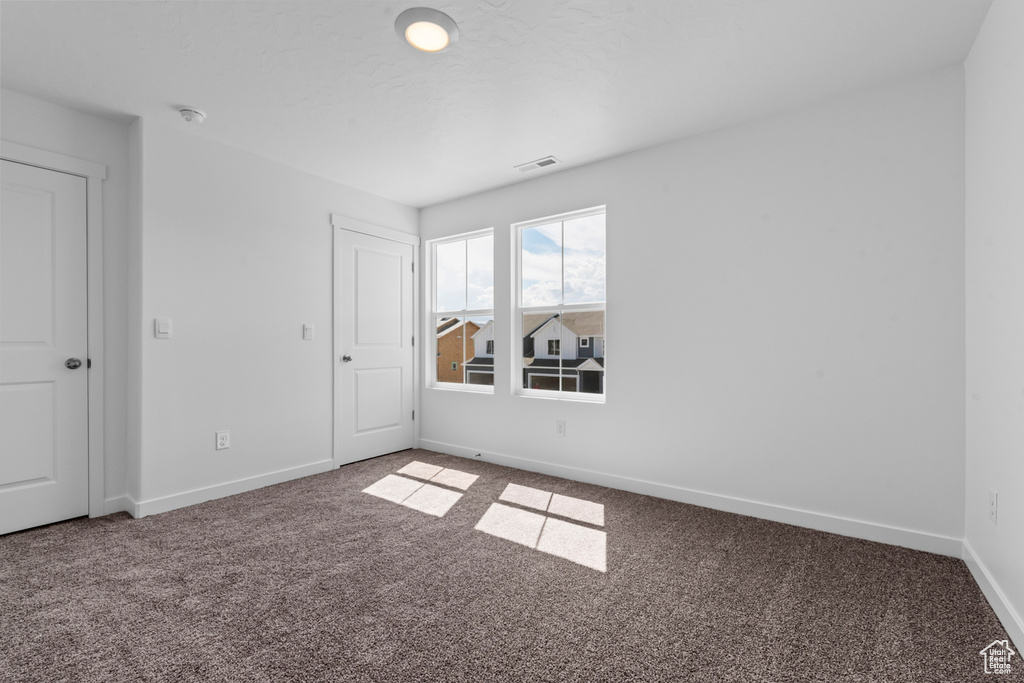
point(346, 359)
point(72, 363)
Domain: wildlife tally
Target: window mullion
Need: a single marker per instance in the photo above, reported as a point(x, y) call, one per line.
point(561, 312)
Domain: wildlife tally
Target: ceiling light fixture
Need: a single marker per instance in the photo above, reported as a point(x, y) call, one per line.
point(427, 30)
point(192, 115)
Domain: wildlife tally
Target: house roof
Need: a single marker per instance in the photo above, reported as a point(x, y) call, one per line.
point(535, 321)
point(483, 327)
point(444, 329)
point(580, 323)
point(577, 364)
point(585, 323)
point(447, 324)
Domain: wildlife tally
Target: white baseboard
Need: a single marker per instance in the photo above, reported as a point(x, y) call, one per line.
point(1008, 616)
point(155, 506)
point(123, 503)
point(907, 538)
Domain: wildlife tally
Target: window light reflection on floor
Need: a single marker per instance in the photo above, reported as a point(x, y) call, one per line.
point(421, 496)
point(574, 542)
point(411, 486)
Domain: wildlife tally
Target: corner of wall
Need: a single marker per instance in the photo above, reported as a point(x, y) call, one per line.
point(993, 249)
point(136, 172)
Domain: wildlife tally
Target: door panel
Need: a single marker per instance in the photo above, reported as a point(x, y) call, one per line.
point(44, 431)
point(26, 297)
point(379, 399)
point(374, 310)
point(24, 404)
point(378, 284)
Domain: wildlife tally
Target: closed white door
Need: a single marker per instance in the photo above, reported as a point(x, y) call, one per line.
point(44, 429)
point(374, 312)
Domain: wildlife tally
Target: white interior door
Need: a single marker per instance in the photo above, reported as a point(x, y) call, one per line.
point(44, 390)
point(375, 325)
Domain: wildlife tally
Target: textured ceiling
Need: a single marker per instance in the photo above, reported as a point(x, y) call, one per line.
point(327, 87)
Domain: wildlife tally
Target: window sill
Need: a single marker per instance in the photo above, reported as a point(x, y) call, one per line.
point(599, 399)
point(463, 388)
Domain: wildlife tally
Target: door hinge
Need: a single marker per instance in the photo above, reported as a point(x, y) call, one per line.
point(414, 341)
point(413, 267)
point(88, 363)
point(414, 415)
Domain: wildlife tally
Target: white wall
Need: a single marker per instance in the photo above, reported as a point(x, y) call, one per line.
point(237, 251)
point(35, 123)
point(995, 301)
point(809, 270)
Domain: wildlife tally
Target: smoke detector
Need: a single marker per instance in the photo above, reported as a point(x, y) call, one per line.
point(536, 164)
point(191, 115)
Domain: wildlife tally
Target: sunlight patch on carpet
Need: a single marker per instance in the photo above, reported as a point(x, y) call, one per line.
point(577, 508)
point(575, 543)
point(432, 500)
point(427, 498)
point(554, 504)
point(455, 478)
point(526, 496)
point(393, 488)
point(557, 537)
point(420, 470)
point(512, 524)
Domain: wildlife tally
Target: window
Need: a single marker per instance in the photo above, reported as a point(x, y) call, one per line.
point(561, 305)
point(461, 272)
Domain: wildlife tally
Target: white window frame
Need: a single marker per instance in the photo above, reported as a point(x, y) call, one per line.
point(584, 342)
point(517, 341)
point(431, 350)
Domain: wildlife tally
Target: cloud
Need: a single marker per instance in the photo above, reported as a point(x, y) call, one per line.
point(480, 296)
point(584, 280)
point(580, 264)
point(464, 274)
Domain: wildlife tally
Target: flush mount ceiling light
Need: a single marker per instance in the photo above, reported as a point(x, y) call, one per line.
point(426, 29)
point(192, 115)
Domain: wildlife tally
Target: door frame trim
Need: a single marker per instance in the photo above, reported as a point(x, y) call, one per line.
point(94, 175)
point(340, 222)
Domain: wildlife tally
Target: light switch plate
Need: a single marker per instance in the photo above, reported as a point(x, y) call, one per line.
point(162, 328)
point(307, 332)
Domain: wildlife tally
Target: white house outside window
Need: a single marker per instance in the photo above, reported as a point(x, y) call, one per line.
point(462, 303)
point(561, 306)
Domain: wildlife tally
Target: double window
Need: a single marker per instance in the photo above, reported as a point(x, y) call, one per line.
point(560, 309)
point(559, 314)
point(463, 310)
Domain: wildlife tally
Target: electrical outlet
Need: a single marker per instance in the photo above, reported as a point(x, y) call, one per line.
point(560, 428)
point(223, 440)
point(993, 507)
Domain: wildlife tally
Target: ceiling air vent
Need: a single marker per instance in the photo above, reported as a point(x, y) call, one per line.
point(534, 165)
